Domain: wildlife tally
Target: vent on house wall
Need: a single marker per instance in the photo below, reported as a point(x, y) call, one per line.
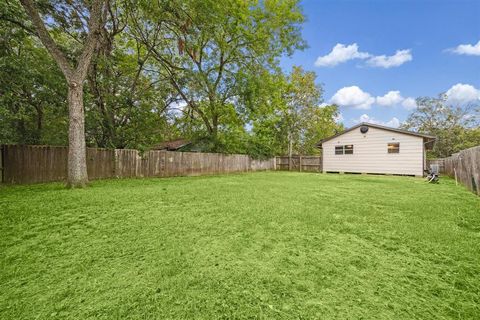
point(363, 129)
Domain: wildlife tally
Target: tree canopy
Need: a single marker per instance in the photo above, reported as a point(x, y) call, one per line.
point(201, 70)
point(456, 127)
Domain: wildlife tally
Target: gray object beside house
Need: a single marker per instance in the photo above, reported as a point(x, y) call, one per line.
point(372, 148)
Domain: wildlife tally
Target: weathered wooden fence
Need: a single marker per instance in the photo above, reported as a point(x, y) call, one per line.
point(31, 164)
point(464, 166)
point(299, 163)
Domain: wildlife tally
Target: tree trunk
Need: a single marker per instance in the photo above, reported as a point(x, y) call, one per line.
point(215, 126)
point(77, 161)
point(38, 132)
point(77, 165)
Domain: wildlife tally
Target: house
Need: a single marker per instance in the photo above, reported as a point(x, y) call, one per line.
point(184, 145)
point(172, 145)
point(372, 148)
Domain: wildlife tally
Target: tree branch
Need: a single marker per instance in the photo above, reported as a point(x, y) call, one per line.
point(94, 25)
point(18, 23)
point(46, 39)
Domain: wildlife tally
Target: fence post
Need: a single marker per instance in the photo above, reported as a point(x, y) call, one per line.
point(166, 164)
point(300, 166)
point(115, 163)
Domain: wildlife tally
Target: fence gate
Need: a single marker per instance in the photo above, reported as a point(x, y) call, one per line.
point(299, 163)
point(295, 163)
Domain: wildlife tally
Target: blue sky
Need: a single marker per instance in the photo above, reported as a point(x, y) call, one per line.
point(373, 57)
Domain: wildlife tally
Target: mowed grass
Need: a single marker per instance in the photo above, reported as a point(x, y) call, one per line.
point(272, 245)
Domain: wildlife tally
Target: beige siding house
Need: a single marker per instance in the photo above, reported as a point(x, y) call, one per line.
point(371, 148)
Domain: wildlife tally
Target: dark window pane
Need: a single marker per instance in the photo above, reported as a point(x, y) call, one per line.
point(393, 147)
point(338, 149)
point(349, 149)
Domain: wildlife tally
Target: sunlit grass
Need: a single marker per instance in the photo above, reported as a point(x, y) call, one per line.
point(272, 245)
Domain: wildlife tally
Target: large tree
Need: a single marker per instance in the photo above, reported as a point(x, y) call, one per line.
point(203, 70)
point(87, 16)
point(290, 118)
point(456, 127)
point(319, 123)
point(209, 50)
point(125, 105)
point(301, 95)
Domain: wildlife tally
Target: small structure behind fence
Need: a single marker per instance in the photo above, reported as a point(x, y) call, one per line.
point(463, 166)
point(33, 164)
point(440, 163)
point(299, 163)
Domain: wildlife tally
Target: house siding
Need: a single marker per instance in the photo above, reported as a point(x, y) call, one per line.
point(370, 153)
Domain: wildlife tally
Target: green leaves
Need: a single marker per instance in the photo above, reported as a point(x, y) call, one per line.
point(32, 90)
point(204, 70)
point(456, 127)
point(214, 53)
point(289, 117)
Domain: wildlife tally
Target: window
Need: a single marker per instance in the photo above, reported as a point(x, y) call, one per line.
point(346, 149)
point(349, 149)
point(393, 147)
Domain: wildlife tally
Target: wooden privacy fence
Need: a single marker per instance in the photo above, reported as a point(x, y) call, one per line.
point(31, 164)
point(299, 163)
point(465, 166)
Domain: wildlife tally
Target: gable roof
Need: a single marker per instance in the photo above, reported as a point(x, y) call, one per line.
point(172, 145)
point(427, 138)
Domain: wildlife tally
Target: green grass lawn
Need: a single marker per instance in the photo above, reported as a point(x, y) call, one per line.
point(272, 245)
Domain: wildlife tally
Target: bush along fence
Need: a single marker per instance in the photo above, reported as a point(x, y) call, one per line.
point(464, 167)
point(34, 164)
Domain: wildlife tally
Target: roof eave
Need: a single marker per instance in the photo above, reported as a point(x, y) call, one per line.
point(420, 135)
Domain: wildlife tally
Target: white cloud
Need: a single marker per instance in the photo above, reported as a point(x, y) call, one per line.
point(409, 103)
point(462, 93)
point(363, 118)
point(356, 98)
point(340, 53)
point(394, 122)
point(467, 49)
point(394, 98)
point(353, 97)
point(343, 53)
point(383, 61)
point(391, 98)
